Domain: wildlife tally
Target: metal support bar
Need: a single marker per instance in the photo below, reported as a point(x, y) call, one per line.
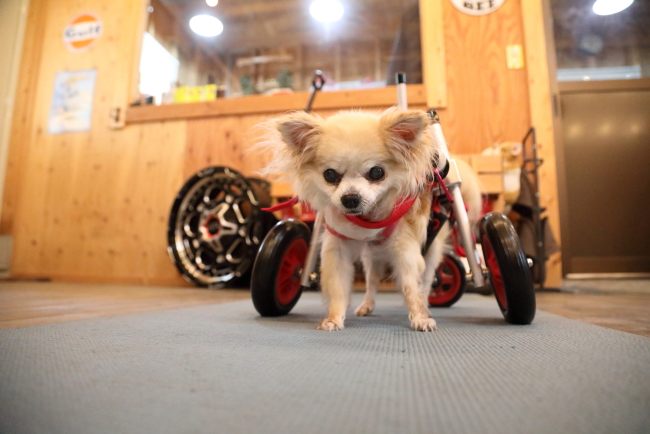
point(466, 239)
point(402, 103)
point(314, 250)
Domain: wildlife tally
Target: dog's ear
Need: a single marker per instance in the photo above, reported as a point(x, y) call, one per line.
point(299, 131)
point(403, 128)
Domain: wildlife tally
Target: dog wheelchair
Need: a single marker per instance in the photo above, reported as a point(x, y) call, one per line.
point(288, 259)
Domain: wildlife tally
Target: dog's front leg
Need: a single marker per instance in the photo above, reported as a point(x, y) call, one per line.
point(337, 273)
point(409, 265)
point(433, 259)
point(374, 269)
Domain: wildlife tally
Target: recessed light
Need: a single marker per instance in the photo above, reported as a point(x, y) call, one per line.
point(206, 25)
point(212, 3)
point(326, 11)
point(609, 7)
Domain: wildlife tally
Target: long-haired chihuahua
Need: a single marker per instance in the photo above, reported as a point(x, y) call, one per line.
point(356, 168)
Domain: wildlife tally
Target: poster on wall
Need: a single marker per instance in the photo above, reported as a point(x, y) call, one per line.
point(82, 32)
point(72, 101)
point(477, 7)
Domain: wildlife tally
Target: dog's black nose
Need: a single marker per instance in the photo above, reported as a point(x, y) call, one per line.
point(351, 201)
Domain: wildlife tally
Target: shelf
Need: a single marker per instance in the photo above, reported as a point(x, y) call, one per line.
point(258, 104)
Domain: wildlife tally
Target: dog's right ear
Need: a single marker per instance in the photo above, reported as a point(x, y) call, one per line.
point(299, 131)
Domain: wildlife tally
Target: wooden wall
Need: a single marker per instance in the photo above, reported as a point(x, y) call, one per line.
point(93, 206)
point(88, 206)
point(487, 102)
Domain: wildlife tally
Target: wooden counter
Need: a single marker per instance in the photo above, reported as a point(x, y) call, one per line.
point(262, 104)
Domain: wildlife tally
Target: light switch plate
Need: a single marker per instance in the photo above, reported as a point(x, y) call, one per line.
point(515, 56)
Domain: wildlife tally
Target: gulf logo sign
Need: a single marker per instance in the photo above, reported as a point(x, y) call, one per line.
point(82, 32)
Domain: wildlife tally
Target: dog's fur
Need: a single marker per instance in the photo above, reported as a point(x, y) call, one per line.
point(304, 146)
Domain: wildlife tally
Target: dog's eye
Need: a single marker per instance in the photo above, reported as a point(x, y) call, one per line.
point(331, 176)
point(376, 173)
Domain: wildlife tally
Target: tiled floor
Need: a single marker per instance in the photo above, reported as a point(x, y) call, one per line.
point(620, 305)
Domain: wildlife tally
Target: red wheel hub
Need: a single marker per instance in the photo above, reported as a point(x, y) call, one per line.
point(448, 285)
point(287, 283)
point(210, 228)
point(495, 273)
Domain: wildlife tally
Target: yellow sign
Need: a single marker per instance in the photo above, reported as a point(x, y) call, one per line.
point(196, 93)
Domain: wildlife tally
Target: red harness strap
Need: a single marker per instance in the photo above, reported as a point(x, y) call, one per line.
point(383, 236)
point(288, 204)
point(388, 223)
point(402, 208)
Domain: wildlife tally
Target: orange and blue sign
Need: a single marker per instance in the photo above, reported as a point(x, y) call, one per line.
point(82, 32)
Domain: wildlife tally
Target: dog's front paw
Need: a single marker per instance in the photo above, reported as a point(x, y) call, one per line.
point(329, 324)
point(364, 309)
point(423, 324)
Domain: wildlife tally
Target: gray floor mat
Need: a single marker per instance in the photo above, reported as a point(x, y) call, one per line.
point(222, 369)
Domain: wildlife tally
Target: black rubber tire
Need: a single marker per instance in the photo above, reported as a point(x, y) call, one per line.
point(450, 265)
point(278, 262)
point(182, 245)
point(509, 272)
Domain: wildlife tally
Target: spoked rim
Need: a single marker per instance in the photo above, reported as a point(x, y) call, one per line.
point(495, 272)
point(214, 229)
point(287, 283)
point(449, 283)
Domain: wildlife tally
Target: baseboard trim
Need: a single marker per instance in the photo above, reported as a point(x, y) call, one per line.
point(589, 276)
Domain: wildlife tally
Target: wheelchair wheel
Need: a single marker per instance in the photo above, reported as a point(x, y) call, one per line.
point(215, 228)
point(450, 282)
point(275, 282)
point(509, 272)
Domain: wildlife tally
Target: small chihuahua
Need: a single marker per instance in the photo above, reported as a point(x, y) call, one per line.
point(359, 167)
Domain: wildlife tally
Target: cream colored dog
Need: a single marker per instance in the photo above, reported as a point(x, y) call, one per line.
point(363, 165)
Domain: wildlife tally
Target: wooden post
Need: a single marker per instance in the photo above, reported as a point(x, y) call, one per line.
point(434, 66)
point(541, 115)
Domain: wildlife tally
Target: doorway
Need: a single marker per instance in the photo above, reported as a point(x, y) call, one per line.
point(603, 136)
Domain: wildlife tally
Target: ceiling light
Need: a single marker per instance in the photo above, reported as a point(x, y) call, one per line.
point(326, 11)
point(212, 3)
point(608, 7)
point(206, 25)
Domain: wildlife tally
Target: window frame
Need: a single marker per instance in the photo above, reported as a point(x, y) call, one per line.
point(432, 92)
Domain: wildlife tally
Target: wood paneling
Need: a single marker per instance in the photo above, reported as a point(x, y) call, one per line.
point(90, 206)
point(487, 102)
point(226, 141)
point(541, 113)
point(93, 206)
point(433, 52)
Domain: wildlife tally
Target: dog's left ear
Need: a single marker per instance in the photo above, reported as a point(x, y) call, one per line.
point(299, 131)
point(403, 128)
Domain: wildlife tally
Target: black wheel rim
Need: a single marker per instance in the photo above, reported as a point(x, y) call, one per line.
point(214, 229)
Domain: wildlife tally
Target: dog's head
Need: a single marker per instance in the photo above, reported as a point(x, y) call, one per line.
point(356, 161)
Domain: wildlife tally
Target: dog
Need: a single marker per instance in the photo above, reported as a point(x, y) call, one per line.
point(357, 168)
